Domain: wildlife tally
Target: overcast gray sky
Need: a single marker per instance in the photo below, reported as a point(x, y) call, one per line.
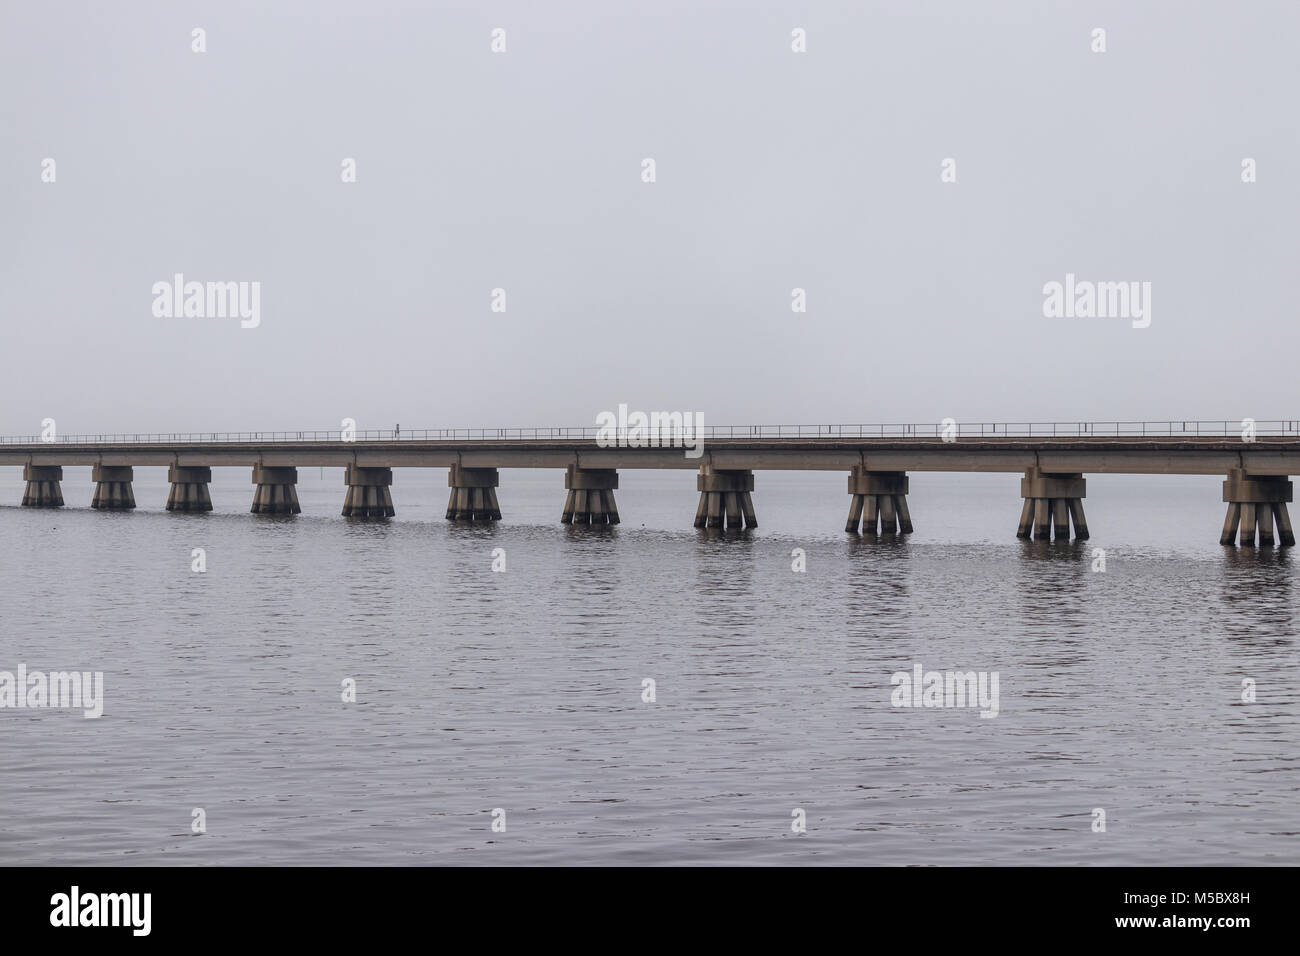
point(523, 171)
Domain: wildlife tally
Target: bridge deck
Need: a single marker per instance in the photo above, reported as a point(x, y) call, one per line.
point(1164, 454)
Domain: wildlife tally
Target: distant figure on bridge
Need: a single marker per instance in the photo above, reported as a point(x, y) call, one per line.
point(397, 430)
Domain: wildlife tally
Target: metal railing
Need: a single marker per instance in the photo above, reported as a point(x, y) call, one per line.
point(931, 431)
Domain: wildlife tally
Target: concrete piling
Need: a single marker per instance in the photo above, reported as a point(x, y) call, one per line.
point(1052, 503)
point(1264, 519)
point(1283, 520)
point(368, 495)
point(1026, 527)
point(725, 500)
point(473, 494)
point(277, 492)
point(1247, 524)
point(1258, 500)
point(731, 505)
point(189, 488)
point(856, 507)
point(590, 496)
point(870, 514)
point(1060, 519)
point(1077, 518)
point(43, 489)
point(888, 515)
point(112, 487)
point(879, 498)
point(904, 515)
point(1230, 523)
point(1042, 519)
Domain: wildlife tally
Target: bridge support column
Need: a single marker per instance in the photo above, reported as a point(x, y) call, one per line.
point(725, 500)
point(1261, 501)
point(43, 490)
point(189, 491)
point(112, 487)
point(277, 491)
point(879, 502)
point(591, 496)
point(1052, 503)
point(473, 494)
point(368, 495)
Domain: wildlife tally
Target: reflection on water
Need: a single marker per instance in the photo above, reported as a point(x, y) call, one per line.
point(1256, 593)
point(503, 665)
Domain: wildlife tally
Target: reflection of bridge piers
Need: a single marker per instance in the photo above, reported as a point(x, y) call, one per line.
point(880, 460)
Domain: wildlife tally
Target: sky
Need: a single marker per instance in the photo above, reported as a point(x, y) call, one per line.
point(523, 171)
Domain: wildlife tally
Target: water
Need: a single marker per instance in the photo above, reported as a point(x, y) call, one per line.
point(522, 690)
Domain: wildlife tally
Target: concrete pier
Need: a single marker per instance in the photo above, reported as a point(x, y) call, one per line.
point(43, 490)
point(1257, 501)
point(473, 494)
point(189, 488)
point(590, 498)
point(879, 502)
point(277, 491)
point(368, 495)
point(112, 487)
point(725, 500)
point(1052, 503)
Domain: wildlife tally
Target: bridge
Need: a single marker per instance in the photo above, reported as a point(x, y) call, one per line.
point(1256, 459)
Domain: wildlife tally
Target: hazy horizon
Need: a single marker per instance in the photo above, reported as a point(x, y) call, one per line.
point(522, 171)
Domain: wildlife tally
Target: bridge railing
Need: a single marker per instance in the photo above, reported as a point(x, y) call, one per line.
point(929, 430)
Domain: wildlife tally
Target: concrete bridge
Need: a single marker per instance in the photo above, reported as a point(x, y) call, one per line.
point(1051, 458)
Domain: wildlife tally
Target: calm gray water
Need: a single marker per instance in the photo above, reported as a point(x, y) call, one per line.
point(522, 690)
